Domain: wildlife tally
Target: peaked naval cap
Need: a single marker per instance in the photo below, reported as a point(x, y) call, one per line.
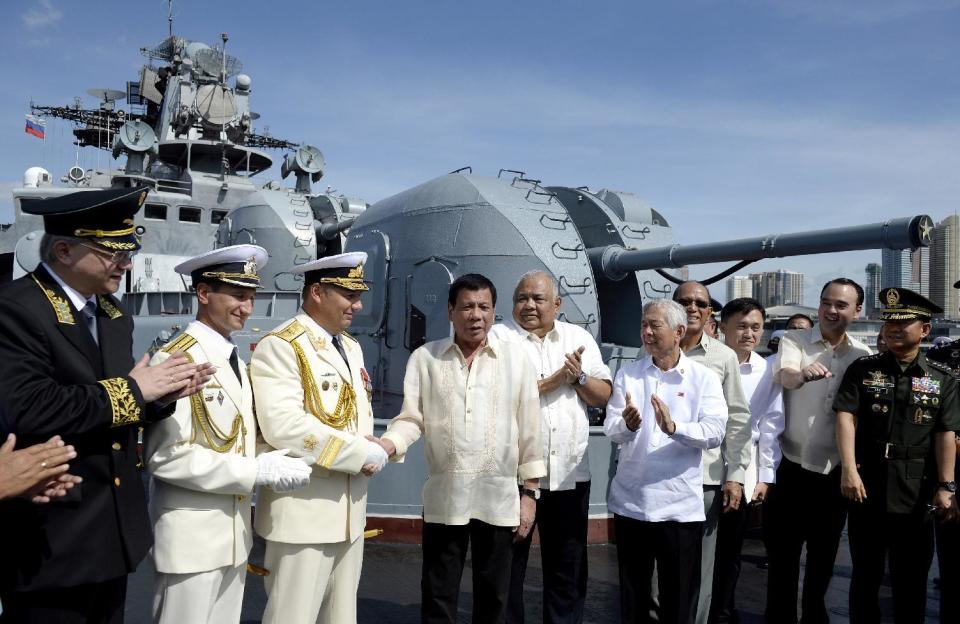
point(237, 265)
point(104, 217)
point(344, 270)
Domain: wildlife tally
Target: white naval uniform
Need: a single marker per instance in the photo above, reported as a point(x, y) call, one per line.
point(200, 498)
point(314, 535)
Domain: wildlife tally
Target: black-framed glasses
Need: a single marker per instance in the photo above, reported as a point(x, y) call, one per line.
point(700, 303)
point(115, 257)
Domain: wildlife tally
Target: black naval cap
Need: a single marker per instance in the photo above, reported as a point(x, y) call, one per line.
point(105, 217)
point(237, 265)
point(900, 304)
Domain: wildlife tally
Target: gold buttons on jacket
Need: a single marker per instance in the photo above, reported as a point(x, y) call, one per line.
point(116, 481)
point(116, 446)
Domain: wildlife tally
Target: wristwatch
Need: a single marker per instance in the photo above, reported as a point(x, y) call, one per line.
point(581, 380)
point(534, 494)
point(950, 486)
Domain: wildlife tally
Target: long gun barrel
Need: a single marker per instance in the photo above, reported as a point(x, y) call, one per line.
point(329, 231)
point(614, 262)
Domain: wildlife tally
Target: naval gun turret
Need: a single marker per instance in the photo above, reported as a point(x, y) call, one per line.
point(608, 250)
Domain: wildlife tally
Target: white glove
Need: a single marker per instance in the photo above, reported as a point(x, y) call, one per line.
point(375, 455)
point(281, 473)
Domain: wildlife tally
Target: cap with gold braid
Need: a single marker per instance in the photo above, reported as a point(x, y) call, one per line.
point(344, 270)
point(102, 217)
point(236, 265)
point(900, 304)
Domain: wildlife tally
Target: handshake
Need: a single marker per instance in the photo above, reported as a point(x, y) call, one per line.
point(378, 452)
point(286, 474)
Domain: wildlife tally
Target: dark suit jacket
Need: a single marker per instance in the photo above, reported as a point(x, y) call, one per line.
point(54, 379)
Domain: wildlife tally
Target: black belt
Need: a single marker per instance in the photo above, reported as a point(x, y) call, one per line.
point(889, 450)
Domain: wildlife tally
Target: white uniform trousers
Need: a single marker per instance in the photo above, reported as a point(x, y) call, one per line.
point(214, 597)
point(312, 583)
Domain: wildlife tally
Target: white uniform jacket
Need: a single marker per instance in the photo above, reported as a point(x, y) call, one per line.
point(200, 497)
point(333, 507)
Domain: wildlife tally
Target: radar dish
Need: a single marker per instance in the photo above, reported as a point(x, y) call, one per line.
point(136, 136)
point(310, 159)
point(216, 104)
point(210, 62)
point(107, 95)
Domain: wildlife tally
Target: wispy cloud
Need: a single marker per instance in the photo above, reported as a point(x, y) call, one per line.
point(42, 14)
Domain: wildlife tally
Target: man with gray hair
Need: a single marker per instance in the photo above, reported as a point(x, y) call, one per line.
point(571, 376)
point(724, 469)
point(665, 411)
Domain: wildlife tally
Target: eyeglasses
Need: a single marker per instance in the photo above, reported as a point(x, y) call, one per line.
point(700, 303)
point(115, 257)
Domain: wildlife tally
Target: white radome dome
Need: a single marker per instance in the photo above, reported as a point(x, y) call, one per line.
point(35, 177)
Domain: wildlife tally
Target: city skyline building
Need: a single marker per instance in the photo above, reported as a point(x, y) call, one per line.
point(776, 288)
point(871, 290)
point(739, 286)
point(905, 268)
point(944, 266)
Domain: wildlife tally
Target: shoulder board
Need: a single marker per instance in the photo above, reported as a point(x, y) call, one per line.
point(290, 332)
point(180, 343)
point(348, 335)
point(943, 368)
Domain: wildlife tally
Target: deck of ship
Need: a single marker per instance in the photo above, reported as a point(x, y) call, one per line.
point(390, 587)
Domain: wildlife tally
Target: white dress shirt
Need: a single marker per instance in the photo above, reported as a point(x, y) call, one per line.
point(809, 436)
point(481, 428)
point(660, 477)
point(766, 419)
point(564, 424)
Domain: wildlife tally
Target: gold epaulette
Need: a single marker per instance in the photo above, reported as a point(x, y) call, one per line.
point(180, 343)
point(290, 332)
point(349, 335)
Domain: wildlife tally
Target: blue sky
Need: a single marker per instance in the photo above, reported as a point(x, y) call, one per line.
point(733, 119)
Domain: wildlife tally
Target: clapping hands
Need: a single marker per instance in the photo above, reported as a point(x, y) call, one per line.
point(662, 413)
point(631, 415)
point(38, 472)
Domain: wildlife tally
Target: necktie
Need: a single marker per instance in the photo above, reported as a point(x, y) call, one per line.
point(235, 365)
point(89, 313)
point(339, 345)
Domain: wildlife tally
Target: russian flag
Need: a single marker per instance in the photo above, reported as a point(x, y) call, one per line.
point(35, 126)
